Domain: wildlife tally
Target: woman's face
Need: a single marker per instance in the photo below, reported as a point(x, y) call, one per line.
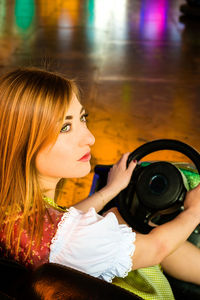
point(70, 156)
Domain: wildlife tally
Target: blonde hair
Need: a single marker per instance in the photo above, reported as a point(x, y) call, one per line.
point(33, 104)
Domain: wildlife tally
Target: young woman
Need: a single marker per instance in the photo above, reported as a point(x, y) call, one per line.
point(44, 138)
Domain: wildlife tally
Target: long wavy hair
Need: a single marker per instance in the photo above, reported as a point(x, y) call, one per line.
point(33, 104)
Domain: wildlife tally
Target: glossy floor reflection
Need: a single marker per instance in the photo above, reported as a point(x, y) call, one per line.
point(137, 62)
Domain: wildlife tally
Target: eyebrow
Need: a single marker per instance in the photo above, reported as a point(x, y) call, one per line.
point(71, 117)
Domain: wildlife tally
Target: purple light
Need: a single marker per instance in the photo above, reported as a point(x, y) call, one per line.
point(153, 19)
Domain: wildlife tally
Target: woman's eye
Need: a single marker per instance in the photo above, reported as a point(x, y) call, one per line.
point(84, 118)
point(66, 128)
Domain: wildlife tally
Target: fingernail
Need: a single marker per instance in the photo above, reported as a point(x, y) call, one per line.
point(135, 161)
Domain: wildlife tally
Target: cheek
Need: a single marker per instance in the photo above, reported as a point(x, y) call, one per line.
point(61, 162)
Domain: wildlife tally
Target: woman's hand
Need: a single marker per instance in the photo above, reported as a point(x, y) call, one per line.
point(119, 175)
point(118, 178)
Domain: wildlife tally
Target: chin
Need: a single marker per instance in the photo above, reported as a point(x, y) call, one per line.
point(79, 171)
point(84, 171)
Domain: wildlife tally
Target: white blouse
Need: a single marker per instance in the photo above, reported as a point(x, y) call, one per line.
point(96, 245)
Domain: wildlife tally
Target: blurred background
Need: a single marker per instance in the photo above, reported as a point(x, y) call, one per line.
point(137, 63)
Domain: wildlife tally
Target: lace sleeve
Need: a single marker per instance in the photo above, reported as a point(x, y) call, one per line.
point(93, 244)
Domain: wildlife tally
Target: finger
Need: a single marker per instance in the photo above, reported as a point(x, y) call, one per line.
point(123, 159)
point(132, 166)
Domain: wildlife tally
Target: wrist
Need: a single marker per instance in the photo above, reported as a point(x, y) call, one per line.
point(107, 193)
point(193, 212)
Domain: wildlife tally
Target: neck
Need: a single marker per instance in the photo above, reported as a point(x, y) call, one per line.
point(48, 185)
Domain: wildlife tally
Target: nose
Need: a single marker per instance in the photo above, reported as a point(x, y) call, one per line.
point(87, 138)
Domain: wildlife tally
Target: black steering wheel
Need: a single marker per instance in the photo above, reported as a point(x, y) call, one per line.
point(156, 192)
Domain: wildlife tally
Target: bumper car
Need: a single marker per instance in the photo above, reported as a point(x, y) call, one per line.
point(156, 195)
point(53, 281)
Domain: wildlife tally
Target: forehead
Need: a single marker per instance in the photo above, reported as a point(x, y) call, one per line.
point(74, 106)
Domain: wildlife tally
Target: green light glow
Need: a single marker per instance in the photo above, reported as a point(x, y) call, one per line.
point(24, 13)
point(90, 12)
point(2, 15)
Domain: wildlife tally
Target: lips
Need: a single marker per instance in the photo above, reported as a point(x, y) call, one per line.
point(85, 157)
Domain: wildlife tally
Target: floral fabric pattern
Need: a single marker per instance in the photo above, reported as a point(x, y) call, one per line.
point(39, 255)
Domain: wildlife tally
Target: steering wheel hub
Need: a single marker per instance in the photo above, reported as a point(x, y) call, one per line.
point(159, 185)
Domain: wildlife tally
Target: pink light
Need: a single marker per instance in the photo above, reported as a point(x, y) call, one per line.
point(153, 18)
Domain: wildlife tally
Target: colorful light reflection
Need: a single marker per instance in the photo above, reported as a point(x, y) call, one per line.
point(24, 12)
point(153, 19)
point(69, 13)
point(2, 15)
point(110, 14)
point(106, 18)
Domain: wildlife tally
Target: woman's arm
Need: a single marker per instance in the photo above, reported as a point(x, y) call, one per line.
point(162, 241)
point(118, 179)
point(184, 263)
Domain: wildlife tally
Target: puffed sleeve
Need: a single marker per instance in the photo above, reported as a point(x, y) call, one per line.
point(93, 244)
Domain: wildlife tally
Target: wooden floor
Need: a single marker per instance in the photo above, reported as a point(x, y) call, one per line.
point(137, 62)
